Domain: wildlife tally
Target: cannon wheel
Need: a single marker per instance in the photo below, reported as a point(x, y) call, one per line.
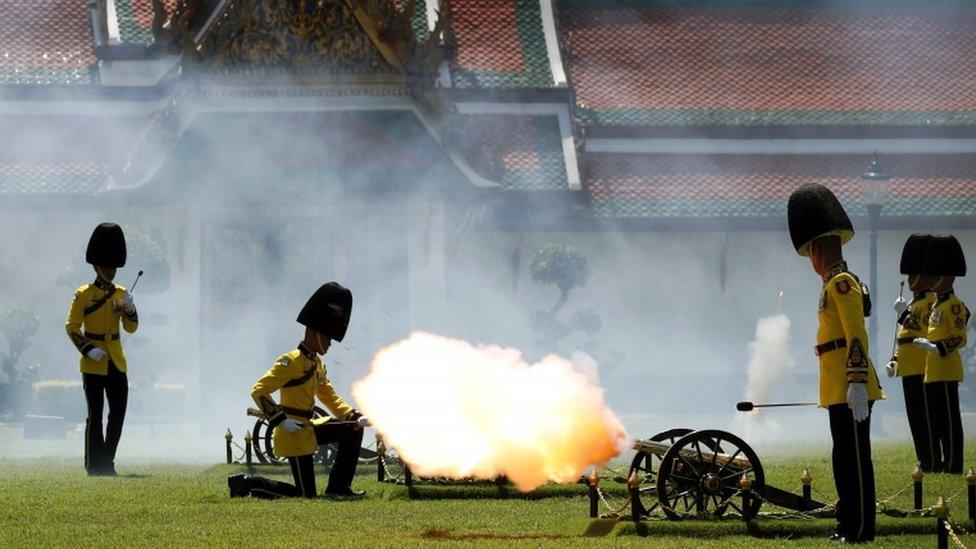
point(646, 466)
point(264, 442)
point(703, 486)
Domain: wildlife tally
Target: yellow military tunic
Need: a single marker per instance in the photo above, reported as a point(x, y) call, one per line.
point(93, 321)
point(913, 323)
point(842, 341)
point(947, 330)
point(300, 376)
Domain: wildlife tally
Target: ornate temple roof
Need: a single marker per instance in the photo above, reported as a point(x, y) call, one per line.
point(500, 44)
point(654, 109)
point(696, 186)
point(46, 42)
point(771, 63)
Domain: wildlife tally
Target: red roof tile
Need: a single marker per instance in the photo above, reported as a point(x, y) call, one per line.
point(487, 35)
point(774, 176)
point(674, 58)
point(45, 41)
point(142, 11)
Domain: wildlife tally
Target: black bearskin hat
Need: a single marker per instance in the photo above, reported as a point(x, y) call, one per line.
point(944, 257)
point(106, 247)
point(814, 212)
point(328, 310)
point(913, 254)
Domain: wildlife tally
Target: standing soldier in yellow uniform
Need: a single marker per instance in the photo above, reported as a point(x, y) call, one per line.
point(93, 326)
point(300, 376)
point(819, 226)
point(909, 361)
point(946, 335)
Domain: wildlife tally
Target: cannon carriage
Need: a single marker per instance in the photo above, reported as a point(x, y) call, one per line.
point(704, 474)
point(263, 443)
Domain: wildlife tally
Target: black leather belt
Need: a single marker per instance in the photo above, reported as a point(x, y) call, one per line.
point(825, 348)
point(906, 340)
point(102, 337)
point(307, 414)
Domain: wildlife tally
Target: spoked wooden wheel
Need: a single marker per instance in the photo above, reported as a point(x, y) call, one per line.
point(263, 441)
point(699, 476)
point(646, 464)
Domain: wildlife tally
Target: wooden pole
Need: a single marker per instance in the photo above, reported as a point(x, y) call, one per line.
point(593, 493)
point(632, 489)
point(247, 451)
point(917, 481)
point(381, 459)
point(942, 512)
point(228, 437)
point(807, 479)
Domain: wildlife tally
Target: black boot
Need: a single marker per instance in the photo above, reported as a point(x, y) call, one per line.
point(346, 494)
point(239, 485)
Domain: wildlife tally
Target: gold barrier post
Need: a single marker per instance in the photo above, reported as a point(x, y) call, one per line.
point(807, 479)
point(917, 481)
point(941, 509)
point(228, 437)
point(632, 489)
point(592, 488)
point(247, 450)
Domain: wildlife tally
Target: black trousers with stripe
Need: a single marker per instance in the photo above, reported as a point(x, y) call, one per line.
point(348, 439)
point(919, 420)
point(303, 473)
point(853, 474)
point(947, 442)
point(100, 448)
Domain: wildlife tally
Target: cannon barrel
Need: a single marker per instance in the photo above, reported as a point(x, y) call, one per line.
point(660, 448)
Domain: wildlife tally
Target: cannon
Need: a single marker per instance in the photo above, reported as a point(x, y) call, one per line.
point(697, 474)
point(264, 443)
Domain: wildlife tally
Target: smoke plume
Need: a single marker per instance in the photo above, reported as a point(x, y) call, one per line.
point(455, 410)
point(769, 370)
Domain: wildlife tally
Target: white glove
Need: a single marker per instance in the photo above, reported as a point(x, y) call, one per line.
point(95, 354)
point(362, 421)
point(891, 368)
point(925, 345)
point(128, 303)
point(900, 305)
point(857, 399)
point(291, 425)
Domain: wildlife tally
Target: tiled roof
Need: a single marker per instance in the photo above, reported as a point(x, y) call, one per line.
point(689, 63)
point(64, 154)
point(500, 44)
point(632, 186)
point(521, 152)
point(36, 179)
point(44, 42)
point(419, 19)
point(135, 19)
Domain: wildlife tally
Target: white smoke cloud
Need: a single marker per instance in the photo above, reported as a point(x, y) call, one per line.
point(769, 372)
point(455, 410)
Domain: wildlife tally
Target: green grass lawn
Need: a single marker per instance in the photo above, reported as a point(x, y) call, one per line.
point(50, 502)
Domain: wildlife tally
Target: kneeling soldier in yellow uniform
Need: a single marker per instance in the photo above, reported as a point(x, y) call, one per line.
point(819, 226)
point(909, 361)
point(99, 307)
point(946, 335)
point(300, 376)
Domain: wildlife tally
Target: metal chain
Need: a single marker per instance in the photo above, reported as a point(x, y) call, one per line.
point(958, 492)
point(786, 513)
point(890, 498)
point(386, 470)
point(952, 534)
point(613, 510)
